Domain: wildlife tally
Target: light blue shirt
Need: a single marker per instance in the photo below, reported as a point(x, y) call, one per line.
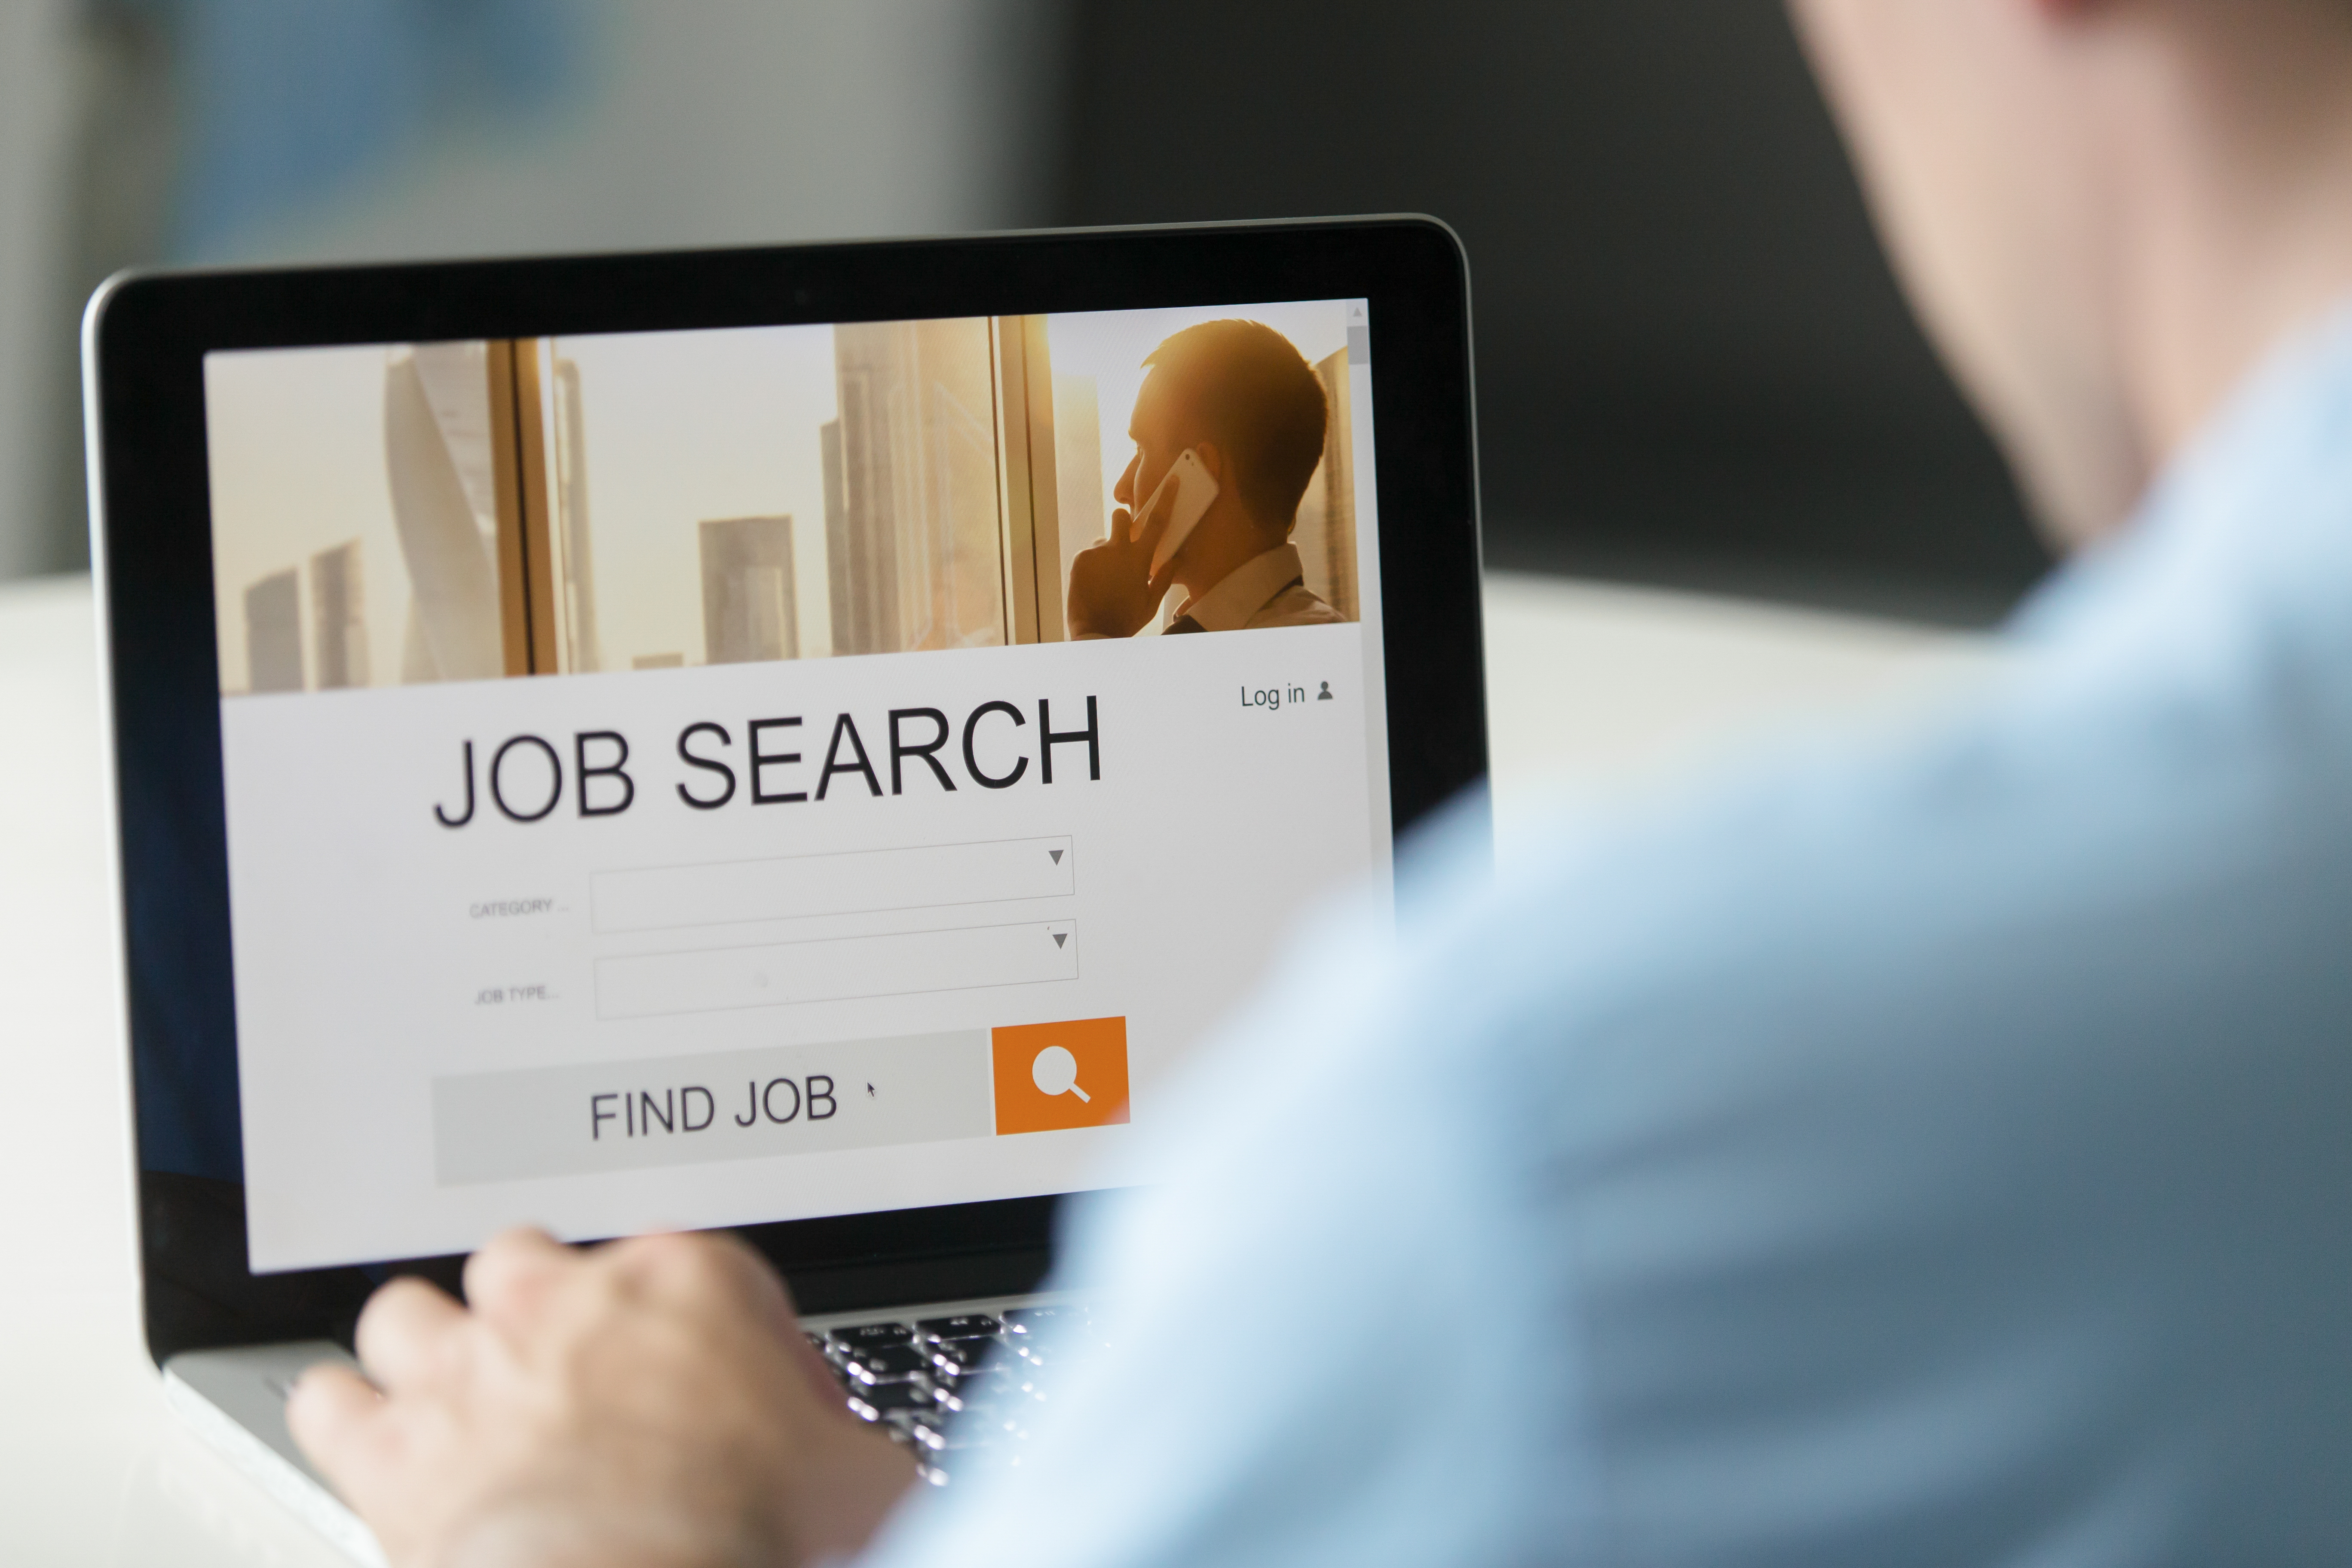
point(1934, 1148)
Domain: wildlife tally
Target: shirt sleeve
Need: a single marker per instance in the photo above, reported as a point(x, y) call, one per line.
point(1309, 1362)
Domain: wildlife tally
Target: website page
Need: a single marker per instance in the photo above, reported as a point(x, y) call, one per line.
point(696, 779)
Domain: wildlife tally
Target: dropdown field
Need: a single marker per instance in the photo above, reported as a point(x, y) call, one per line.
point(858, 881)
point(836, 969)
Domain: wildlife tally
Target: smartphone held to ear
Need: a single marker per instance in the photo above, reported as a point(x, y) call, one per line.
point(1195, 493)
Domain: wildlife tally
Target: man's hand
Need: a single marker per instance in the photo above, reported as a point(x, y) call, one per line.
point(1112, 590)
point(649, 1403)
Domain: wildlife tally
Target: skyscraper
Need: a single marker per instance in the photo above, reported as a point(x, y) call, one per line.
point(1077, 466)
point(437, 452)
point(750, 609)
point(854, 597)
point(273, 633)
point(582, 650)
point(914, 548)
point(453, 377)
point(339, 637)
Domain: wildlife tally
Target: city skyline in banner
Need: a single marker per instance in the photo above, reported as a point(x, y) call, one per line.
point(409, 513)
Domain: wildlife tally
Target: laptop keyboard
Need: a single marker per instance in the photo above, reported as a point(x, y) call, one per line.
point(959, 1391)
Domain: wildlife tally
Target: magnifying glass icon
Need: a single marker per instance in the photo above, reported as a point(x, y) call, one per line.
point(1056, 1072)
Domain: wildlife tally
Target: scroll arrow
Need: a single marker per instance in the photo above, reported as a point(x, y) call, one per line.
point(1057, 853)
point(1060, 937)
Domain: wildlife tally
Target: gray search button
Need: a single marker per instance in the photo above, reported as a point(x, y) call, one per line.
point(731, 1105)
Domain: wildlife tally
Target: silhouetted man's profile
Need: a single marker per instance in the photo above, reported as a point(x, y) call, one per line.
point(1246, 404)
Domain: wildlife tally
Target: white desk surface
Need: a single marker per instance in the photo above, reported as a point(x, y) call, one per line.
point(1591, 686)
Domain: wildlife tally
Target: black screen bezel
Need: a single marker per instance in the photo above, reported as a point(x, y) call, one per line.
point(145, 341)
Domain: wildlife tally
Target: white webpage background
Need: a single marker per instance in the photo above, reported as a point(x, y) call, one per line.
point(358, 964)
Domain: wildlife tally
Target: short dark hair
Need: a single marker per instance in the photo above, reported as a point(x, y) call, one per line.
point(1249, 389)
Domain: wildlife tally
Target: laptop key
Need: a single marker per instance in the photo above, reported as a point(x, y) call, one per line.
point(859, 1336)
point(887, 1364)
point(964, 1326)
point(1036, 1322)
point(922, 1428)
point(992, 1380)
point(923, 1432)
point(957, 1357)
point(872, 1403)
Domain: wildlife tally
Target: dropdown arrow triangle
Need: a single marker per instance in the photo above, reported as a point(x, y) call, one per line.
point(1057, 853)
point(1060, 937)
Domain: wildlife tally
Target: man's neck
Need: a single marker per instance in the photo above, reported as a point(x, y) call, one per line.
point(2234, 215)
point(1209, 558)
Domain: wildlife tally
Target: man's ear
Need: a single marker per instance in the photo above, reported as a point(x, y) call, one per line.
point(1212, 459)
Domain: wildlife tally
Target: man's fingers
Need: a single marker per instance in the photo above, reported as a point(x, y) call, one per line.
point(508, 1282)
point(767, 1289)
point(406, 1333)
point(690, 1267)
point(331, 1413)
point(816, 1374)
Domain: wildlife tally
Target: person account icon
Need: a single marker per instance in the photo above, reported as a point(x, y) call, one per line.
point(1056, 1072)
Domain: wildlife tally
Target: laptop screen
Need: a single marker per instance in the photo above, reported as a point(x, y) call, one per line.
point(707, 778)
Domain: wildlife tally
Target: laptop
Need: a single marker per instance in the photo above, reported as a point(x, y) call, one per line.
point(673, 741)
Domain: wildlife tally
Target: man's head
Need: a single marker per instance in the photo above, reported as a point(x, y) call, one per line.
point(1243, 398)
point(2106, 211)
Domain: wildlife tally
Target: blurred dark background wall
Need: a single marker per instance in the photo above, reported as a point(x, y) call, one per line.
point(1693, 366)
point(1693, 369)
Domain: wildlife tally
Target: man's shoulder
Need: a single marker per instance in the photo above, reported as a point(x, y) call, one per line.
point(1297, 606)
point(2028, 860)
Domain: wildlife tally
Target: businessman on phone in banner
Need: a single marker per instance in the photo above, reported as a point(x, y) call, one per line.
point(1229, 429)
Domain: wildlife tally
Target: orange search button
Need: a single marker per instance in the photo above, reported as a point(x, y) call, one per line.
point(1055, 1076)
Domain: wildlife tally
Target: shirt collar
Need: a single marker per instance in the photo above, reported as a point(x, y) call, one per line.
point(1245, 590)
